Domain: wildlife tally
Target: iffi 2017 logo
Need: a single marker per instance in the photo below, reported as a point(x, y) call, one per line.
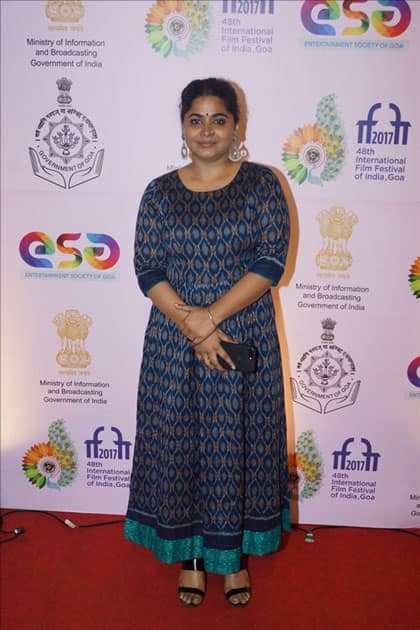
point(368, 461)
point(51, 464)
point(178, 27)
point(319, 17)
point(120, 450)
point(315, 152)
point(248, 7)
point(397, 132)
point(326, 375)
point(66, 144)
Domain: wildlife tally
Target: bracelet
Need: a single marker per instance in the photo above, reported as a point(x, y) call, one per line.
point(204, 338)
point(211, 318)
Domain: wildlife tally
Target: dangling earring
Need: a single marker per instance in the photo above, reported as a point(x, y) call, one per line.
point(184, 149)
point(237, 153)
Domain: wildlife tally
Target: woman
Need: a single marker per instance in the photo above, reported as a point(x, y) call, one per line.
point(209, 481)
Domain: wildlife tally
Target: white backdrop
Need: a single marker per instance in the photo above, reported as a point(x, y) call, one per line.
point(90, 94)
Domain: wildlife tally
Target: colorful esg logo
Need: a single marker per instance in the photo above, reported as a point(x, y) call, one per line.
point(34, 246)
point(51, 464)
point(180, 27)
point(391, 22)
point(315, 153)
point(414, 277)
point(413, 372)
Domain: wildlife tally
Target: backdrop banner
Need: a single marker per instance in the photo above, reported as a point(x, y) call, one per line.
point(90, 114)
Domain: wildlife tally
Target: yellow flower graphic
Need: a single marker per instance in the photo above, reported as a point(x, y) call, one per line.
point(53, 463)
point(414, 277)
point(318, 147)
point(303, 151)
point(40, 464)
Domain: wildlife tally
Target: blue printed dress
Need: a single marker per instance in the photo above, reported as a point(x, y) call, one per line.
point(209, 476)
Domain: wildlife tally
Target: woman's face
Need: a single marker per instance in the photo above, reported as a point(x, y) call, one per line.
point(208, 129)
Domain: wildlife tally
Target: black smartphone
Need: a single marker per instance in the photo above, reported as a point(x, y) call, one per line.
point(243, 356)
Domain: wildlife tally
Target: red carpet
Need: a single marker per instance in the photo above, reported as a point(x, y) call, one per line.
point(57, 578)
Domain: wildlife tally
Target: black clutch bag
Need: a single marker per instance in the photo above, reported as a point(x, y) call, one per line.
point(243, 356)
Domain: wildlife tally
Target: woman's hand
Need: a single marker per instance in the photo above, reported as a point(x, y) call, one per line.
point(199, 329)
point(196, 324)
point(209, 350)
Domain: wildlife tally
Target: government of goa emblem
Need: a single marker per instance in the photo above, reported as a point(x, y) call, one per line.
point(326, 375)
point(66, 149)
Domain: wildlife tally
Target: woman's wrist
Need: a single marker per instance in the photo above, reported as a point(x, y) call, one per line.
point(197, 334)
point(215, 314)
point(211, 318)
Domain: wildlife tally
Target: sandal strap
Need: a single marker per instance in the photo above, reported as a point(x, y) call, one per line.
point(191, 590)
point(237, 591)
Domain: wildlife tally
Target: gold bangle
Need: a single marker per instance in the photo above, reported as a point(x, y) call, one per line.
point(211, 318)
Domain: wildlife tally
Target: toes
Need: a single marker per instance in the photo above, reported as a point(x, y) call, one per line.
point(243, 598)
point(239, 580)
point(190, 600)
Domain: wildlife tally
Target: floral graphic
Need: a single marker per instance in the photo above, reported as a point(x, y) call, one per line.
point(316, 152)
point(52, 464)
point(414, 277)
point(308, 466)
point(180, 27)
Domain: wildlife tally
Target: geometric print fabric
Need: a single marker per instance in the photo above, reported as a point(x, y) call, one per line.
point(210, 464)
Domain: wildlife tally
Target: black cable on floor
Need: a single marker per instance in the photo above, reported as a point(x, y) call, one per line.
point(18, 531)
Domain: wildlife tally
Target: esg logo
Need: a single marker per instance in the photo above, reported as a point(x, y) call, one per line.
point(36, 245)
point(313, 10)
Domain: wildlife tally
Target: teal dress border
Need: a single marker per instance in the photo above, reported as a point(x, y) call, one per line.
point(215, 560)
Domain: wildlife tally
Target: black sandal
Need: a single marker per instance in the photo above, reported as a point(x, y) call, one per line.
point(196, 564)
point(241, 589)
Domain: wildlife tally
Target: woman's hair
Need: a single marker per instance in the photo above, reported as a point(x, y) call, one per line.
point(210, 87)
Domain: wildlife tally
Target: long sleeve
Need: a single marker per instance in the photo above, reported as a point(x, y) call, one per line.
point(149, 245)
point(272, 228)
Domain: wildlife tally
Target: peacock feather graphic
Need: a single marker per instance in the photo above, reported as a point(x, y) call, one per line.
point(319, 147)
point(309, 463)
point(54, 463)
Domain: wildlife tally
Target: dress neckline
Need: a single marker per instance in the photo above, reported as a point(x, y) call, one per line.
point(201, 192)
